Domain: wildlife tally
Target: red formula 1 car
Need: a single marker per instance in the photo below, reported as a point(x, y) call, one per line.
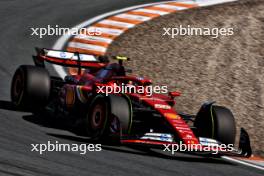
point(124, 117)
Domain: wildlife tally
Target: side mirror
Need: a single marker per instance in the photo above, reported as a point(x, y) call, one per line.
point(174, 94)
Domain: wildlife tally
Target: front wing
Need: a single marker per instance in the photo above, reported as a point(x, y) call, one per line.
point(244, 149)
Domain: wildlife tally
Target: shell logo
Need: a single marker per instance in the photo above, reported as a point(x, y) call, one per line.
point(162, 106)
point(172, 116)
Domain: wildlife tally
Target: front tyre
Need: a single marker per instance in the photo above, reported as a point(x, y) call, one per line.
point(216, 122)
point(109, 117)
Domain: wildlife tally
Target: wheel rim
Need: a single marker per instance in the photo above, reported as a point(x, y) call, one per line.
point(18, 89)
point(98, 117)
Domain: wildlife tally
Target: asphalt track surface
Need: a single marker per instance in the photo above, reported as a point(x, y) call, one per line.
point(18, 130)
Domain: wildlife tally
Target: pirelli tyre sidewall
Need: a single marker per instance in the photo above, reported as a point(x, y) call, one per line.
point(216, 122)
point(30, 88)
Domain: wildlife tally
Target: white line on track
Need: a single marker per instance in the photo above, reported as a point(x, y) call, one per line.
point(242, 162)
point(171, 7)
point(210, 2)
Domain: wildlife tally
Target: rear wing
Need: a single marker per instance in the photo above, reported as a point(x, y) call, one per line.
point(68, 59)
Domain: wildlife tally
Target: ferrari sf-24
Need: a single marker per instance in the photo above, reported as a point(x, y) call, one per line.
point(122, 118)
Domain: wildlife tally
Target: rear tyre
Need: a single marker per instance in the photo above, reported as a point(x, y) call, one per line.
point(216, 122)
point(30, 87)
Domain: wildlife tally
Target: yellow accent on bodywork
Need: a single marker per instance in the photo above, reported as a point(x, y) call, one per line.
point(211, 111)
point(121, 58)
point(131, 112)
